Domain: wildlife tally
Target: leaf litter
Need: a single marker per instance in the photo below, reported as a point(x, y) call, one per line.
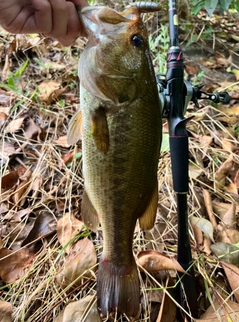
point(48, 258)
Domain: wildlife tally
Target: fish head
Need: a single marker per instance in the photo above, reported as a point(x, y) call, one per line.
point(116, 58)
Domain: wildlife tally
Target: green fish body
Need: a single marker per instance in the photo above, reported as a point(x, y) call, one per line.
point(121, 138)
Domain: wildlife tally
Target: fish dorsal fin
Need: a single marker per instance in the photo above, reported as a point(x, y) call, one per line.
point(147, 220)
point(88, 213)
point(74, 133)
point(100, 131)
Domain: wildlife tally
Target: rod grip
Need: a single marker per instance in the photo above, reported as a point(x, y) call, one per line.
point(179, 161)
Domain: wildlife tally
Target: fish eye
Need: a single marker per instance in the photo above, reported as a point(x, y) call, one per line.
point(137, 40)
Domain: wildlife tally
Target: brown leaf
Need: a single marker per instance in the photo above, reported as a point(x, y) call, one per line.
point(154, 261)
point(68, 227)
point(232, 273)
point(62, 141)
point(5, 312)
point(220, 312)
point(14, 125)
point(14, 264)
point(208, 204)
point(229, 217)
point(83, 310)
point(44, 226)
point(221, 173)
point(31, 130)
point(78, 267)
point(9, 180)
point(6, 149)
point(20, 191)
point(50, 91)
point(225, 235)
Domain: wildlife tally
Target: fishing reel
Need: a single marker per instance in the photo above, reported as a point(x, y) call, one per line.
point(190, 93)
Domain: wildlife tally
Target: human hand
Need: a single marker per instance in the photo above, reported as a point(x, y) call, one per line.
point(54, 18)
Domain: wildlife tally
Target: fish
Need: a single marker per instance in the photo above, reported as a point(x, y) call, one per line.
point(120, 117)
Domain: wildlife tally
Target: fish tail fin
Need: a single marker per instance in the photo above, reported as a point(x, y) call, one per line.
point(118, 289)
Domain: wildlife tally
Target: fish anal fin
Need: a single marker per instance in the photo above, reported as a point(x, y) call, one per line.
point(88, 213)
point(100, 131)
point(118, 289)
point(74, 133)
point(147, 220)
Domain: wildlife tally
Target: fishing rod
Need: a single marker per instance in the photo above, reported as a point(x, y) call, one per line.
point(175, 94)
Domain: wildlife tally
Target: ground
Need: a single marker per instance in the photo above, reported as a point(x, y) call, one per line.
point(48, 257)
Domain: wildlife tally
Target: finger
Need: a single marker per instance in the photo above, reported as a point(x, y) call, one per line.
point(42, 19)
point(59, 18)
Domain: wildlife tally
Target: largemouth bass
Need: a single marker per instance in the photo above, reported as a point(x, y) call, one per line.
point(121, 126)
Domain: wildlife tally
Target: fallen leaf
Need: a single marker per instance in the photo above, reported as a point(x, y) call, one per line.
point(14, 264)
point(9, 180)
point(232, 273)
point(221, 173)
point(50, 91)
point(31, 130)
point(221, 313)
point(62, 141)
point(83, 310)
point(203, 224)
point(154, 261)
point(68, 227)
point(225, 235)
point(14, 125)
point(229, 218)
point(45, 225)
point(226, 252)
point(78, 267)
point(5, 312)
point(208, 204)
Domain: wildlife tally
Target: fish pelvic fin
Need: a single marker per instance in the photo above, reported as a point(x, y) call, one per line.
point(118, 289)
point(147, 220)
point(74, 133)
point(100, 131)
point(88, 213)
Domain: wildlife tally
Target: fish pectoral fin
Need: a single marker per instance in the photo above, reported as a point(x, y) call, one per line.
point(146, 221)
point(88, 213)
point(100, 131)
point(74, 133)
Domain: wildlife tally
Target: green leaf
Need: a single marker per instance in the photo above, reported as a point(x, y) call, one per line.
point(210, 6)
point(224, 4)
point(165, 143)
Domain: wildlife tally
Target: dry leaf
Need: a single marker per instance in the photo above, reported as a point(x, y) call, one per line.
point(221, 173)
point(208, 204)
point(225, 235)
point(50, 91)
point(78, 267)
point(154, 261)
point(68, 227)
point(14, 264)
point(31, 130)
point(14, 125)
point(9, 180)
point(232, 273)
point(62, 141)
point(45, 225)
point(5, 312)
point(203, 224)
point(83, 310)
point(229, 218)
point(221, 313)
